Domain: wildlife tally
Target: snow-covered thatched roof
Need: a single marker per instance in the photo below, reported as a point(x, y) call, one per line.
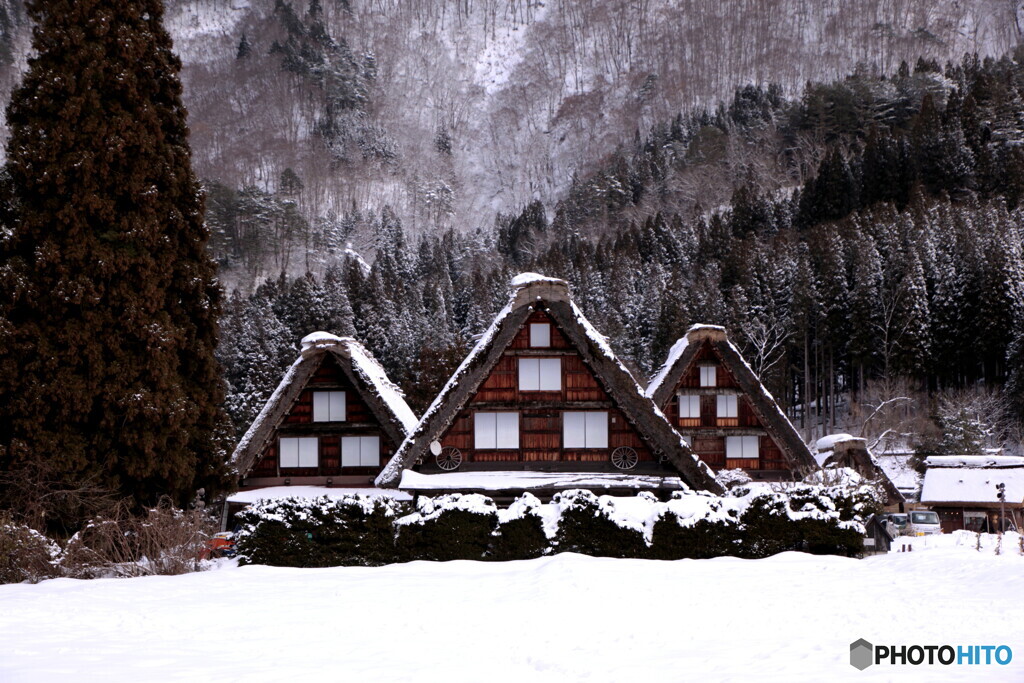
point(684, 353)
point(384, 399)
point(972, 479)
point(530, 292)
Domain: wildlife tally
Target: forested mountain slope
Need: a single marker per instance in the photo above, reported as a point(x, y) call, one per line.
point(451, 111)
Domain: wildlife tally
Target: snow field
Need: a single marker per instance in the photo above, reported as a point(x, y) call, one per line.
point(791, 617)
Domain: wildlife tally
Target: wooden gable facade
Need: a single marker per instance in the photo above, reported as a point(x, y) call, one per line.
point(712, 397)
point(333, 421)
point(548, 411)
point(542, 392)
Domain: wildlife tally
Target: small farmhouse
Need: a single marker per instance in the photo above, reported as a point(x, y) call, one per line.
point(542, 404)
point(710, 394)
point(333, 421)
point(962, 489)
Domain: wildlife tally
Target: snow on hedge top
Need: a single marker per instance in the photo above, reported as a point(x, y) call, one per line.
point(525, 480)
point(271, 493)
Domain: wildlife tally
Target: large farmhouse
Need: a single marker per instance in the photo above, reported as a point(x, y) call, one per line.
point(710, 394)
point(334, 420)
point(542, 404)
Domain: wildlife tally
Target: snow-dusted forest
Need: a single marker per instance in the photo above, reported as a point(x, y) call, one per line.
point(837, 183)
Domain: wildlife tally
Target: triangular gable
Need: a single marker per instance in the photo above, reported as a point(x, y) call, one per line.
point(684, 354)
point(384, 400)
point(529, 292)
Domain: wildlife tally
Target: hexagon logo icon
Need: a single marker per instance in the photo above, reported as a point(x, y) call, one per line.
point(861, 652)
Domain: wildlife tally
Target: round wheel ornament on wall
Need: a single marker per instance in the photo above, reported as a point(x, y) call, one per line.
point(449, 458)
point(625, 458)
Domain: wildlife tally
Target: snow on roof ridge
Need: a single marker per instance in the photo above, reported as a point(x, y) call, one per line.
point(321, 339)
point(827, 442)
point(704, 330)
point(527, 279)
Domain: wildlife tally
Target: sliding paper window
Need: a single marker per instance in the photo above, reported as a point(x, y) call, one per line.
point(540, 374)
point(496, 430)
point(585, 429)
point(328, 406)
point(299, 451)
point(360, 451)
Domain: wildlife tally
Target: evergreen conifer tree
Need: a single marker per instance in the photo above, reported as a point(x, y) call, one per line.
point(108, 300)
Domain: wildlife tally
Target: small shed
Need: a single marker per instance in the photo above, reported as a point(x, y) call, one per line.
point(843, 450)
point(962, 489)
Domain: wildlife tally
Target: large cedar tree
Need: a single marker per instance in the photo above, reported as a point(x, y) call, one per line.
point(108, 300)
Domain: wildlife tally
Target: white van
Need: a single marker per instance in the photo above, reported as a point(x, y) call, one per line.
point(923, 523)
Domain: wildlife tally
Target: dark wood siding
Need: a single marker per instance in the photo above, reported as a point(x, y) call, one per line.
point(707, 435)
point(540, 412)
point(298, 422)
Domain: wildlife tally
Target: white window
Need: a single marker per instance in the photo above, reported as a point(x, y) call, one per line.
point(360, 451)
point(708, 375)
point(741, 446)
point(727, 406)
point(689, 406)
point(540, 374)
point(328, 406)
point(303, 451)
point(496, 430)
point(540, 334)
point(585, 430)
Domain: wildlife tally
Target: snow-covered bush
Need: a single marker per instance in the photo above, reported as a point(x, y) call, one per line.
point(451, 527)
point(25, 554)
point(695, 527)
point(355, 530)
point(521, 531)
point(589, 525)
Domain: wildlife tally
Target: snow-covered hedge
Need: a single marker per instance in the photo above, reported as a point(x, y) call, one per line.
point(318, 532)
point(752, 521)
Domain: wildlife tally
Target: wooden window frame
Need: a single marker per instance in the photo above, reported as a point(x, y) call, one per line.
point(689, 419)
point(595, 433)
point(744, 441)
point(709, 375)
point(481, 428)
point(727, 420)
point(535, 374)
point(366, 457)
point(299, 441)
point(540, 335)
point(334, 402)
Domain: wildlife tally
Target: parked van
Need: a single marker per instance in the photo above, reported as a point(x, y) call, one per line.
point(923, 523)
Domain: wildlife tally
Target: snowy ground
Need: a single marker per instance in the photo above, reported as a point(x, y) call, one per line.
point(566, 618)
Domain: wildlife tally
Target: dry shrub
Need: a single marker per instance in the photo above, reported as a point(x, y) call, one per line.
point(163, 540)
point(25, 554)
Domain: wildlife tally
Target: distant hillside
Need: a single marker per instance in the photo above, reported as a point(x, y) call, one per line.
point(450, 112)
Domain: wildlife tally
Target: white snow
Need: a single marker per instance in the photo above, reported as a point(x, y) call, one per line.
point(568, 617)
point(275, 398)
point(974, 461)
point(526, 279)
point(901, 474)
point(374, 374)
point(827, 443)
point(674, 354)
point(521, 480)
point(971, 485)
point(310, 492)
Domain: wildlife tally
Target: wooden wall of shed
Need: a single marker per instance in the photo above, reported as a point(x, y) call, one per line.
point(707, 435)
point(298, 422)
point(540, 412)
